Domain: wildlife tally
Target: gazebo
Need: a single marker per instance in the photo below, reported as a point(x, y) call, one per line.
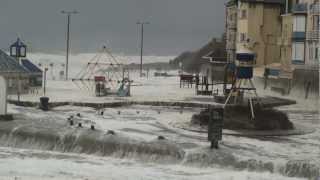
point(12, 71)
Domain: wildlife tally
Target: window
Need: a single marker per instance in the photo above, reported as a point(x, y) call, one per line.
point(298, 52)
point(311, 55)
point(243, 14)
point(10, 83)
point(316, 21)
point(242, 37)
point(299, 24)
point(313, 52)
point(252, 5)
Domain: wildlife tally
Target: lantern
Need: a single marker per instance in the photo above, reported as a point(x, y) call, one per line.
point(18, 49)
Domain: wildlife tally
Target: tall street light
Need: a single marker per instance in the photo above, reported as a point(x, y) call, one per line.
point(68, 13)
point(141, 45)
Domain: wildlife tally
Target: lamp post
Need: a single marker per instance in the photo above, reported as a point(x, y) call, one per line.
point(45, 81)
point(44, 101)
point(18, 50)
point(141, 45)
point(68, 13)
point(45, 67)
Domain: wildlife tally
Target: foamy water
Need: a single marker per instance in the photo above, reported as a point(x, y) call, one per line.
point(237, 158)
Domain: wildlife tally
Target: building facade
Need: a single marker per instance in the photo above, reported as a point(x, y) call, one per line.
point(258, 29)
point(231, 29)
point(312, 33)
point(299, 39)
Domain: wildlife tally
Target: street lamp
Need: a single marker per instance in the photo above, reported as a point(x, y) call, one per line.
point(45, 81)
point(141, 45)
point(44, 101)
point(18, 50)
point(68, 13)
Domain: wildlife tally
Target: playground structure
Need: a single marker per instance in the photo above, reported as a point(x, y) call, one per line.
point(104, 75)
point(245, 60)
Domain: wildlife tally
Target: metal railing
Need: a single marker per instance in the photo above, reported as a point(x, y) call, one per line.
point(315, 8)
point(300, 8)
point(313, 35)
point(298, 36)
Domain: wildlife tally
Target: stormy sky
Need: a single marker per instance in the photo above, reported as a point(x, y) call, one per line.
point(175, 25)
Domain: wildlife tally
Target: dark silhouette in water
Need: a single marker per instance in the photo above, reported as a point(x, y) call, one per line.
point(237, 118)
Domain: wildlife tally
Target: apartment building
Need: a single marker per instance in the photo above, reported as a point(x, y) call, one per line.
point(258, 28)
point(299, 39)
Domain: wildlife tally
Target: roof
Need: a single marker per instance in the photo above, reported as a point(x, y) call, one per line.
point(216, 55)
point(10, 65)
point(30, 67)
point(18, 43)
point(265, 1)
point(231, 3)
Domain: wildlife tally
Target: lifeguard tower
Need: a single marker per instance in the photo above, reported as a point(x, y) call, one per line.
point(243, 85)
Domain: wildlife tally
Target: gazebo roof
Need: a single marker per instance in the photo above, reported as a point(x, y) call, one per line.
point(30, 67)
point(9, 64)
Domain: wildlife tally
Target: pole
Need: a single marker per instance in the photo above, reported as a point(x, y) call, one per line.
point(68, 13)
point(68, 45)
point(19, 87)
point(19, 83)
point(141, 52)
point(44, 81)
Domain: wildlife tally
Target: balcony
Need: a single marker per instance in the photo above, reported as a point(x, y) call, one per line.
point(315, 8)
point(232, 25)
point(300, 8)
point(297, 62)
point(313, 35)
point(298, 36)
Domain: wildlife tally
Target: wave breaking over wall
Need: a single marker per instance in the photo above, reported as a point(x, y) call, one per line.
point(50, 135)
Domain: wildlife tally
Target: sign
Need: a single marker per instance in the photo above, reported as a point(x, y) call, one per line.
point(3, 96)
point(215, 124)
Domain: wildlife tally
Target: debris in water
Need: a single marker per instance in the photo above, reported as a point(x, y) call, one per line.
point(111, 132)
